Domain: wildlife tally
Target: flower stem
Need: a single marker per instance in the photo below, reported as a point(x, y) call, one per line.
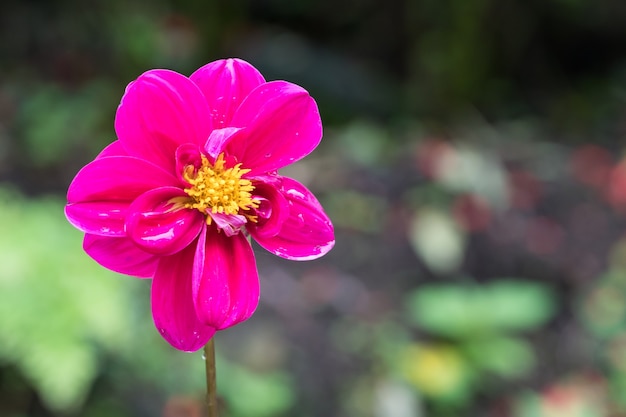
point(211, 385)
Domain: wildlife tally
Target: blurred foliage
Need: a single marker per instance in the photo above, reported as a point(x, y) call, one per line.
point(474, 324)
point(459, 311)
point(51, 317)
point(66, 323)
point(74, 123)
point(478, 139)
point(250, 394)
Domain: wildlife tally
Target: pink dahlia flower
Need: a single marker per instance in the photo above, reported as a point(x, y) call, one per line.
point(192, 175)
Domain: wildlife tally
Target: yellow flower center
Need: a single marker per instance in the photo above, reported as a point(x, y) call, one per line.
point(215, 189)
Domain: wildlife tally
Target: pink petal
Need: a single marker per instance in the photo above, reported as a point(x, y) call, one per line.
point(306, 234)
point(160, 111)
point(113, 149)
point(156, 228)
point(230, 224)
point(120, 254)
point(98, 218)
point(218, 139)
point(117, 178)
point(187, 154)
point(282, 126)
point(225, 279)
point(225, 84)
point(172, 303)
point(272, 212)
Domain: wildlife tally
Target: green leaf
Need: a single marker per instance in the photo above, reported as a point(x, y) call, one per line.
point(436, 238)
point(518, 305)
point(507, 357)
point(445, 310)
point(249, 393)
point(437, 371)
point(57, 306)
point(465, 311)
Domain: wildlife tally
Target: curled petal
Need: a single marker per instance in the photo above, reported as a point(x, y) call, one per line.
point(117, 178)
point(225, 83)
point(119, 254)
point(306, 234)
point(225, 279)
point(282, 126)
point(158, 227)
point(218, 139)
point(98, 218)
point(172, 303)
point(230, 224)
point(187, 154)
point(160, 111)
point(272, 212)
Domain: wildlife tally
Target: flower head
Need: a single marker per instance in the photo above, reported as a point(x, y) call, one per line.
point(193, 173)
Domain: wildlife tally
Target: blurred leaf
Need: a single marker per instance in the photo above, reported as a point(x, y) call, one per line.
point(56, 304)
point(135, 37)
point(248, 393)
point(364, 142)
point(396, 399)
point(437, 371)
point(467, 311)
point(475, 171)
point(356, 211)
point(528, 404)
point(436, 238)
point(603, 307)
point(518, 305)
point(617, 383)
point(505, 356)
point(444, 310)
point(53, 121)
point(62, 371)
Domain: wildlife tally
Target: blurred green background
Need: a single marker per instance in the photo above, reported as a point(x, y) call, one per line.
point(472, 164)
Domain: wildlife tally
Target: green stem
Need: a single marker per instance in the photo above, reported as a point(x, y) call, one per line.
point(211, 385)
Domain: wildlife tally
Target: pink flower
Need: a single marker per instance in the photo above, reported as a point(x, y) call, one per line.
point(192, 175)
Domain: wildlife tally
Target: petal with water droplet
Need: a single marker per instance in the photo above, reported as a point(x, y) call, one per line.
point(307, 233)
point(158, 227)
point(272, 114)
point(225, 279)
point(172, 303)
point(225, 84)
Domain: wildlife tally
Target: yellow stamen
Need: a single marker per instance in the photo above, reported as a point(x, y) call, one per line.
point(216, 189)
